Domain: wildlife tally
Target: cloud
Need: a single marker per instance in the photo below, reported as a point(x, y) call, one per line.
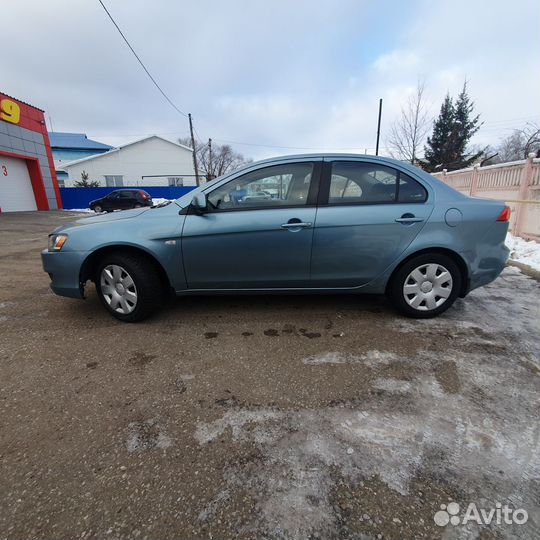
point(285, 74)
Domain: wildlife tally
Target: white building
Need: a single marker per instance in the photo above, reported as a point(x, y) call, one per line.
point(152, 161)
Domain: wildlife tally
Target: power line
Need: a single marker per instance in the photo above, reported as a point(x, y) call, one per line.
point(511, 120)
point(141, 62)
point(240, 143)
point(358, 147)
point(197, 135)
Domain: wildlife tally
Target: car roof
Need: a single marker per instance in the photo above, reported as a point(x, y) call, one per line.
point(441, 190)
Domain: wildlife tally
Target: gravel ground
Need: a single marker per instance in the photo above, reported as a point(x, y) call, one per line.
point(277, 417)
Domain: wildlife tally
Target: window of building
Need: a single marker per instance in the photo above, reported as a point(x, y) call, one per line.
point(114, 180)
point(176, 181)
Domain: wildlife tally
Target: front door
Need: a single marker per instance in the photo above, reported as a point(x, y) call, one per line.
point(126, 200)
point(257, 232)
point(369, 214)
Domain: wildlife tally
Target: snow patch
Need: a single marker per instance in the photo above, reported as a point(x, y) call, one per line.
point(159, 200)
point(393, 385)
point(371, 358)
point(523, 251)
point(301, 451)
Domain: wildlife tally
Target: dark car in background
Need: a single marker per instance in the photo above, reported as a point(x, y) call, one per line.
point(121, 199)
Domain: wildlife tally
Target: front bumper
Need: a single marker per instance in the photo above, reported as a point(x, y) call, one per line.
point(64, 269)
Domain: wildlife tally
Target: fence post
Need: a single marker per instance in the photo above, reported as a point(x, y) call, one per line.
point(474, 180)
point(524, 183)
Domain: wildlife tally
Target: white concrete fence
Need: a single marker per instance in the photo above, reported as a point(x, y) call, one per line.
point(516, 182)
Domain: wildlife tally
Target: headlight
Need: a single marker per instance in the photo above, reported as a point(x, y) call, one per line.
point(57, 241)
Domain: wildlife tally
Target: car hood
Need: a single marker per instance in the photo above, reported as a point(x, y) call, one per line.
point(111, 216)
point(102, 218)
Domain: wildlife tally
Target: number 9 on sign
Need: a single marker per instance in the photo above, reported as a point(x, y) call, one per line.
point(10, 111)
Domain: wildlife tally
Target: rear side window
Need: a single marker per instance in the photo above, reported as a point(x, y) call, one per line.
point(354, 182)
point(410, 191)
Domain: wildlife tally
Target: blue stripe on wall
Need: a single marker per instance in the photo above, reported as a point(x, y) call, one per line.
point(80, 197)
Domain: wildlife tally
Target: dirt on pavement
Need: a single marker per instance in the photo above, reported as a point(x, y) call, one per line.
point(263, 416)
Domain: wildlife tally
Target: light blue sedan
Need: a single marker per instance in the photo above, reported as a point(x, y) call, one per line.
point(310, 223)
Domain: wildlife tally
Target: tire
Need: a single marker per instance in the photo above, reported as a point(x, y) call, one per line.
point(129, 287)
point(98, 209)
point(426, 286)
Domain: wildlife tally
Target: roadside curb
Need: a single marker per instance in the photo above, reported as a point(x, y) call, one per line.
point(526, 269)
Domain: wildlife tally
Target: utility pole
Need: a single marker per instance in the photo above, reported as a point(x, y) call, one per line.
point(194, 150)
point(210, 174)
point(378, 128)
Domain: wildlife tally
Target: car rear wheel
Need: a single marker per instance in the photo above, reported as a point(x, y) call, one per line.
point(128, 287)
point(98, 209)
point(426, 286)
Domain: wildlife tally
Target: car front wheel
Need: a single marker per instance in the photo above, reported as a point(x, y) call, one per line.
point(98, 209)
point(129, 287)
point(426, 286)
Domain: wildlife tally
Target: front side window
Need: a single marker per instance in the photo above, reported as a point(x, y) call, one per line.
point(355, 182)
point(270, 187)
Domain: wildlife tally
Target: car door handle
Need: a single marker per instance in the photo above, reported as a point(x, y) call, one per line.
point(296, 225)
point(411, 219)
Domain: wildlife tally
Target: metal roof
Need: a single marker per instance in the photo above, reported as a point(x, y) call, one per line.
point(75, 141)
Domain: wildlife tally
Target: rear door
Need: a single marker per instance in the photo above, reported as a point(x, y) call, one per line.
point(257, 232)
point(367, 216)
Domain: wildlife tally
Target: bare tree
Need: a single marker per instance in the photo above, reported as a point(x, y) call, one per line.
point(531, 132)
point(520, 143)
point(409, 131)
point(222, 160)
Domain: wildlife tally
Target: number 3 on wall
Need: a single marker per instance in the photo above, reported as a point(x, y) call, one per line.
point(10, 111)
point(4, 170)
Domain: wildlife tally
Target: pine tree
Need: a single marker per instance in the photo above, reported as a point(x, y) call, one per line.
point(464, 128)
point(437, 151)
point(85, 182)
point(452, 132)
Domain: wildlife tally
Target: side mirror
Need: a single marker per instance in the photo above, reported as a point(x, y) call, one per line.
point(199, 203)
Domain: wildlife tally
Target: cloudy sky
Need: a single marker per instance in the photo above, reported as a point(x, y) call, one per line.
point(272, 77)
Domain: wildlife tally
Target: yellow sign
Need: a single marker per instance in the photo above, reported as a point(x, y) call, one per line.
point(10, 111)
